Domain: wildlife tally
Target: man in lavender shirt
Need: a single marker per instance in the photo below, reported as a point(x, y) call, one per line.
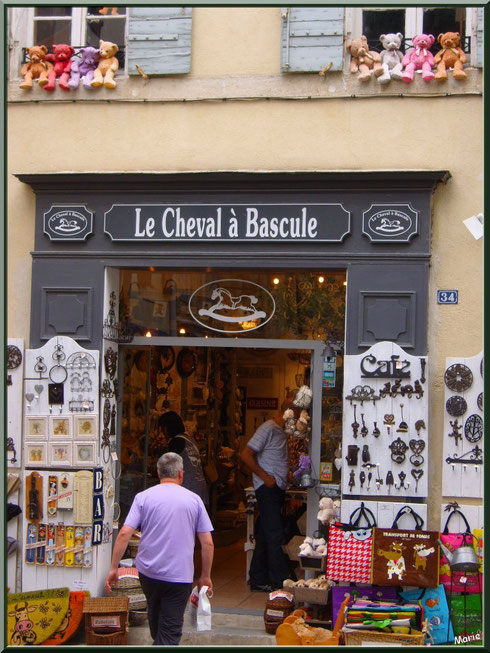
point(169, 517)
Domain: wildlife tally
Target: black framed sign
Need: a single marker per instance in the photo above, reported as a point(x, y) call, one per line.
point(67, 222)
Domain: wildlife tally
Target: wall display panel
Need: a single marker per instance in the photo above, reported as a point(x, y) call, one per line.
point(15, 369)
point(462, 466)
point(384, 512)
point(385, 424)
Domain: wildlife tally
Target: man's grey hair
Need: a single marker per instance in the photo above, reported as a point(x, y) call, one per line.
point(169, 465)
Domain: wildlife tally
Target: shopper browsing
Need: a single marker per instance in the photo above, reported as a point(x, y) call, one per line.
point(173, 428)
point(266, 454)
point(169, 517)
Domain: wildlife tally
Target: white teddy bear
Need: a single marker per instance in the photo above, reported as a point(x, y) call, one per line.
point(391, 57)
point(326, 512)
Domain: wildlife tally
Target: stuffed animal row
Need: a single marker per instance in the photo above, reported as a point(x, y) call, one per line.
point(319, 583)
point(313, 547)
point(92, 67)
point(391, 63)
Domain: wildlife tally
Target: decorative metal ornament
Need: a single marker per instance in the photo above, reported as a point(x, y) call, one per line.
point(355, 424)
point(417, 474)
point(403, 426)
point(58, 373)
point(11, 447)
point(365, 455)
point(56, 394)
point(479, 401)
point(389, 421)
point(166, 357)
point(186, 362)
point(107, 413)
point(417, 446)
point(112, 329)
point(419, 425)
point(455, 433)
point(473, 428)
point(456, 406)
point(458, 377)
point(402, 476)
point(14, 357)
point(473, 457)
point(80, 360)
point(352, 480)
point(398, 449)
point(364, 429)
point(423, 363)
point(106, 390)
point(112, 430)
point(362, 393)
point(110, 363)
point(376, 431)
point(389, 481)
point(352, 453)
point(362, 477)
point(40, 366)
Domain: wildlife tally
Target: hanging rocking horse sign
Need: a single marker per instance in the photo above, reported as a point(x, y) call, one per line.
point(232, 306)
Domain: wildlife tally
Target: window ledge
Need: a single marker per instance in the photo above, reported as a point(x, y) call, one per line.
point(287, 86)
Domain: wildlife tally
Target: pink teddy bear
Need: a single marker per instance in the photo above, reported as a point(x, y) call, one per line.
point(419, 58)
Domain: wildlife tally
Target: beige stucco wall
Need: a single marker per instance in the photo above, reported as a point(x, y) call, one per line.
point(236, 52)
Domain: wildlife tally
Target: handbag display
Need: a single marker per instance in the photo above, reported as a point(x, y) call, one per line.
point(461, 582)
point(350, 548)
point(436, 611)
point(405, 557)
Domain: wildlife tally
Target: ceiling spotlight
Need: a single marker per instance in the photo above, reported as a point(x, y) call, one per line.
point(182, 331)
point(275, 281)
point(321, 279)
point(148, 334)
point(345, 283)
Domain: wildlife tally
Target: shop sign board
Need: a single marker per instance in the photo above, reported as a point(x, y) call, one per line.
point(390, 223)
point(309, 222)
point(329, 369)
point(64, 222)
point(262, 403)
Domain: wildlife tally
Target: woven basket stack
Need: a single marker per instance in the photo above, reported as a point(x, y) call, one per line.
point(129, 585)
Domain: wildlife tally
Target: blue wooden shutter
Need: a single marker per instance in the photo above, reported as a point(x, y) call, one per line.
point(312, 37)
point(159, 40)
point(479, 39)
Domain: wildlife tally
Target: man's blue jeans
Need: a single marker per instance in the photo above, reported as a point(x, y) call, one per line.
point(269, 563)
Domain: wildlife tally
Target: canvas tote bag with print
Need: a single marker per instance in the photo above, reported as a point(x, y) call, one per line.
point(405, 557)
point(350, 547)
point(461, 582)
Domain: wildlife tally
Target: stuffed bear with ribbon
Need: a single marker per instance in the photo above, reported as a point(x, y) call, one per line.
point(419, 58)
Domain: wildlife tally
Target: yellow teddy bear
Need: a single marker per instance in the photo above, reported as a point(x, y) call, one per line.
point(108, 65)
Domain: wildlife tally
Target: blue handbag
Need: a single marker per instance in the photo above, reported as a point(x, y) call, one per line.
point(436, 611)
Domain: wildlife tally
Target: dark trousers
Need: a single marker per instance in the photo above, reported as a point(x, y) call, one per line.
point(269, 565)
point(166, 607)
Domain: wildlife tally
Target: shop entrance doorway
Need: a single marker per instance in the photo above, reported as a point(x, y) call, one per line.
point(224, 389)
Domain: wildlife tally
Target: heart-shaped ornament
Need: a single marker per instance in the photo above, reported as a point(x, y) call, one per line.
point(38, 389)
point(29, 396)
point(417, 446)
point(338, 463)
point(389, 419)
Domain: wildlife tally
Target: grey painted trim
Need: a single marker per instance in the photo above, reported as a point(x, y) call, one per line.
point(411, 294)
point(87, 291)
point(233, 341)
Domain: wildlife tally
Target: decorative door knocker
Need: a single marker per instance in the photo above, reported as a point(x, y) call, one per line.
point(417, 446)
point(417, 474)
point(473, 428)
point(389, 421)
point(14, 357)
point(364, 429)
point(110, 362)
point(398, 450)
point(58, 373)
point(458, 377)
point(456, 406)
point(455, 433)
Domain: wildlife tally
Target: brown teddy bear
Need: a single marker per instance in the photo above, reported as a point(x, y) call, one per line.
point(36, 68)
point(450, 56)
point(363, 60)
point(108, 64)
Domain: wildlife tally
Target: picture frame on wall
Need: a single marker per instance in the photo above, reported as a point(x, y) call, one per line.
point(84, 454)
point(60, 454)
point(36, 427)
point(35, 454)
point(85, 427)
point(60, 426)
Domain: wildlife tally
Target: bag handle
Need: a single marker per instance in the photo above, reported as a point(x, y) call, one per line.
point(454, 511)
point(408, 510)
point(363, 512)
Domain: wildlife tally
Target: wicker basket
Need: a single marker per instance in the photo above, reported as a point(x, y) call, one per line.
point(276, 610)
point(310, 595)
point(357, 637)
point(108, 616)
point(137, 617)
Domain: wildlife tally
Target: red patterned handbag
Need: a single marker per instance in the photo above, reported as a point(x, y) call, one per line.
point(350, 548)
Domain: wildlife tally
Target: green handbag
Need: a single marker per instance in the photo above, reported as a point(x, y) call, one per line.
point(469, 631)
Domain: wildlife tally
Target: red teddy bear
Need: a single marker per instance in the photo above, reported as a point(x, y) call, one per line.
point(61, 60)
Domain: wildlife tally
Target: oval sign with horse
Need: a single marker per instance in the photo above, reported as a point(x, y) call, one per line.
point(232, 306)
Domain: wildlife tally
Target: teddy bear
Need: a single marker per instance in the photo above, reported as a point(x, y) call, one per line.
point(290, 421)
point(36, 68)
point(83, 69)
point(306, 548)
point(61, 60)
point(419, 58)
point(326, 512)
point(363, 60)
point(302, 398)
point(108, 65)
point(450, 56)
point(304, 466)
point(302, 428)
point(391, 57)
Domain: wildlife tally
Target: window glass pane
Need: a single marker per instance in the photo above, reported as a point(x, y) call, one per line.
point(106, 11)
point(280, 304)
point(107, 30)
point(375, 23)
point(447, 19)
point(52, 11)
point(47, 32)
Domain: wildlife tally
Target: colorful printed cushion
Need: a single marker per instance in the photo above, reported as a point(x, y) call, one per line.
point(71, 622)
point(32, 617)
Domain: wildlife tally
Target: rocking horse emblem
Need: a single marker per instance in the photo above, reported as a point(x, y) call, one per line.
point(237, 302)
point(226, 302)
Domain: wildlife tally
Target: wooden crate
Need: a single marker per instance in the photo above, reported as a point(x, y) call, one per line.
point(311, 595)
point(316, 564)
point(106, 620)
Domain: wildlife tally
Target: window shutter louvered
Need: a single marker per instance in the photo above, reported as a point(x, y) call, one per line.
point(479, 39)
point(312, 37)
point(159, 40)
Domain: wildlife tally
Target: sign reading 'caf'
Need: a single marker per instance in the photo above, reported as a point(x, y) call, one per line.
point(227, 222)
point(68, 222)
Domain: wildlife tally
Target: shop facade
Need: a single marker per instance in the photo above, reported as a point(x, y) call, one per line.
point(359, 231)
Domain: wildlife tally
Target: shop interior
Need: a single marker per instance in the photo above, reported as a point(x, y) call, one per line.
point(223, 394)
